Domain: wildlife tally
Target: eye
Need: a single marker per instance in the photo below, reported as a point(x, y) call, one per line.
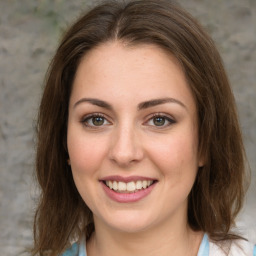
point(95, 120)
point(161, 121)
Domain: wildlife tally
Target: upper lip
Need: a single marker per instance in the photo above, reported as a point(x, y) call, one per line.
point(125, 179)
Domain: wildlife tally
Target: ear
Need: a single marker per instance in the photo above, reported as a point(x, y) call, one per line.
point(68, 161)
point(200, 164)
point(201, 160)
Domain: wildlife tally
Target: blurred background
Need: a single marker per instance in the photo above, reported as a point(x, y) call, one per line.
point(29, 34)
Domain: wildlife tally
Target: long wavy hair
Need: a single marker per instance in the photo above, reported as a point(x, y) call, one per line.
point(218, 191)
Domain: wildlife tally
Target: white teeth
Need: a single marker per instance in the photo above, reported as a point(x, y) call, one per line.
point(130, 186)
point(144, 183)
point(115, 186)
point(139, 184)
point(121, 186)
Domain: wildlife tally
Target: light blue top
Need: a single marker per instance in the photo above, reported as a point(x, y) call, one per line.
point(76, 250)
point(204, 247)
point(79, 249)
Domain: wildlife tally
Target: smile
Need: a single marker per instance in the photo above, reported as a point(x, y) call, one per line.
point(129, 187)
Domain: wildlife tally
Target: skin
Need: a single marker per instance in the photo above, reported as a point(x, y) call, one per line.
point(128, 142)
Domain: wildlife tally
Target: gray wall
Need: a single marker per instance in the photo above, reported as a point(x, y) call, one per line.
point(29, 32)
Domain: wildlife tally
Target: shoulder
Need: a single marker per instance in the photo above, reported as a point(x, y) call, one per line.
point(238, 247)
point(72, 251)
point(77, 249)
point(241, 247)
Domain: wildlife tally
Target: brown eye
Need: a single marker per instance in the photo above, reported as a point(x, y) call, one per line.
point(98, 120)
point(159, 121)
point(95, 120)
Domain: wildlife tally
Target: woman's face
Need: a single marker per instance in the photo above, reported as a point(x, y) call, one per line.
point(133, 137)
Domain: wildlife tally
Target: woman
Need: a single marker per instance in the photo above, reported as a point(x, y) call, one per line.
point(139, 147)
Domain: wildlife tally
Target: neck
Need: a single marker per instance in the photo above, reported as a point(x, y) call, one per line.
point(161, 240)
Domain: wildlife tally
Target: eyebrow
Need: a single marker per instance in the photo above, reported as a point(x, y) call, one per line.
point(97, 102)
point(142, 105)
point(155, 102)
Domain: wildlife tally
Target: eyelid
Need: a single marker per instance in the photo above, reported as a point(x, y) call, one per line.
point(168, 117)
point(85, 118)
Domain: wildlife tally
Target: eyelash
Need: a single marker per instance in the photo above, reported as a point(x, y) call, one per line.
point(85, 120)
point(161, 115)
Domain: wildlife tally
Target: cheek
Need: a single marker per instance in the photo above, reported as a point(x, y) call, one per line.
point(85, 156)
point(175, 155)
point(176, 160)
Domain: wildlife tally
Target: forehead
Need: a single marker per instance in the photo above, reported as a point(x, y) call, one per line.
point(114, 69)
point(139, 54)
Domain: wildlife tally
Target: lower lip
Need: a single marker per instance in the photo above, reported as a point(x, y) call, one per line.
point(127, 197)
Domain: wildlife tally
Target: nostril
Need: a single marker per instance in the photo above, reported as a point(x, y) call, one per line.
point(125, 149)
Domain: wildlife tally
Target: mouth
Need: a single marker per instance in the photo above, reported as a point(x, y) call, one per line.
point(128, 187)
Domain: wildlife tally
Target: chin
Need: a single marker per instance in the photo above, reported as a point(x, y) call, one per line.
point(129, 228)
point(129, 222)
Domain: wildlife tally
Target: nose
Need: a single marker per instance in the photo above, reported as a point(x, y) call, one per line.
point(126, 147)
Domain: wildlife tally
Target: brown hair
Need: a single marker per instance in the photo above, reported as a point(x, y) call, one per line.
point(218, 192)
